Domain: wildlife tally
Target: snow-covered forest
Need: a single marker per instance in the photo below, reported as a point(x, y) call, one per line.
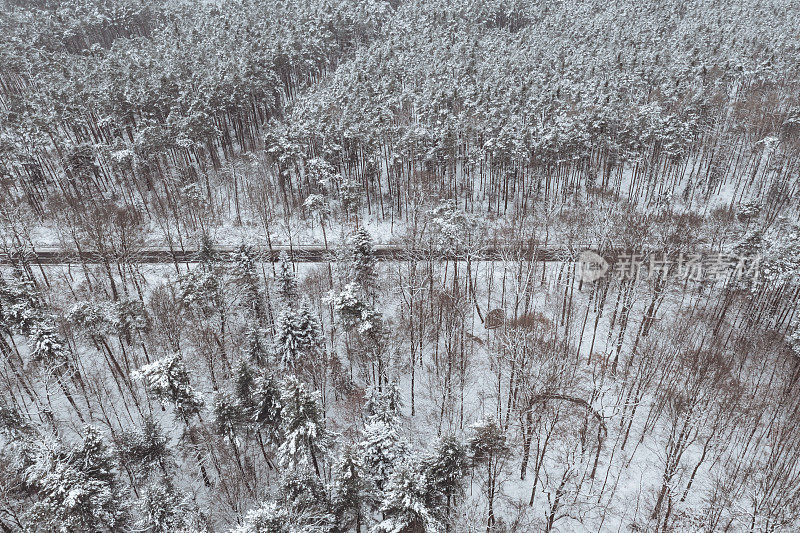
point(399, 266)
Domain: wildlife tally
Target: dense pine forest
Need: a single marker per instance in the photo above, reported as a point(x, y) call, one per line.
point(421, 266)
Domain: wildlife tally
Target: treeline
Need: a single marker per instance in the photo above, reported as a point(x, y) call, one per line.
point(116, 98)
point(220, 114)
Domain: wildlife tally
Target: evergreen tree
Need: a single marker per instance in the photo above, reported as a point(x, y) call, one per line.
point(320, 172)
point(348, 491)
point(245, 276)
point(298, 337)
point(141, 450)
point(269, 518)
point(351, 308)
point(276, 517)
point(487, 441)
point(47, 347)
point(206, 253)
point(304, 494)
point(268, 414)
point(167, 380)
point(165, 509)
point(363, 269)
point(229, 415)
point(405, 504)
point(794, 336)
point(445, 469)
point(19, 305)
point(77, 487)
point(131, 318)
point(17, 452)
point(238, 409)
point(201, 290)
point(383, 405)
point(781, 258)
point(361, 320)
point(318, 206)
point(287, 283)
point(351, 195)
point(750, 247)
point(14, 426)
point(97, 319)
point(451, 227)
point(258, 348)
point(382, 447)
point(303, 425)
point(286, 339)
point(244, 386)
point(380, 450)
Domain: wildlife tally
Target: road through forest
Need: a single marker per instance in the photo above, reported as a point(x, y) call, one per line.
point(301, 253)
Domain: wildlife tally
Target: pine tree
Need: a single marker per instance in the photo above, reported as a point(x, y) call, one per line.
point(206, 254)
point(19, 305)
point(323, 176)
point(269, 518)
point(487, 441)
point(359, 318)
point(382, 447)
point(245, 276)
point(781, 261)
point(351, 308)
point(348, 491)
point(282, 517)
point(258, 348)
point(303, 492)
point(97, 319)
point(287, 338)
point(47, 347)
point(268, 414)
point(141, 450)
point(451, 227)
point(287, 283)
point(303, 425)
point(383, 405)
point(167, 380)
point(201, 290)
point(350, 197)
point(131, 318)
point(318, 206)
point(298, 337)
point(320, 172)
point(165, 509)
point(244, 386)
point(77, 487)
point(17, 446)
point(230, 416)
point(405, 504)
point(445, 470)
point(380, 450)
point(362, 262)
point(13, 425)
point(794, 336)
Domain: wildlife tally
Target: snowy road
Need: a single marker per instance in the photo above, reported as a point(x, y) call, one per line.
point(303, 253)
